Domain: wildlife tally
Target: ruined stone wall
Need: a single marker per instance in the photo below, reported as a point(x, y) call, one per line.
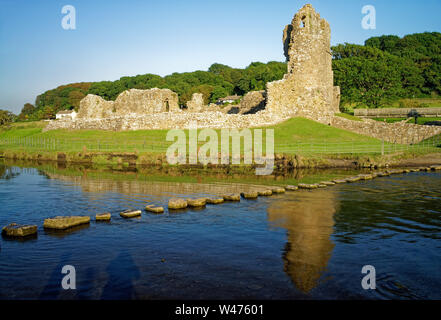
point(397, 112)
point(133, 101)
point(252, 102)
point(196, 104)
point(399, 132)
point(308, 87)
point(170, 120)
point(336, 99)
point(146, 101)
point(93, 106)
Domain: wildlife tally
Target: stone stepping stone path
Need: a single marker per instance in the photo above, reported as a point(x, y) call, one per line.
point(265, 193)
point(103, 217)
point(215, 200)
point(154, 209)
point(232, 197)
point(197, 203)
point(130, 214)
point(63, 223)
point(249, 195)
point(15, 230)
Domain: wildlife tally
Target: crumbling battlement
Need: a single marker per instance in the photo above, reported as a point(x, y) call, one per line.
point(308, 87)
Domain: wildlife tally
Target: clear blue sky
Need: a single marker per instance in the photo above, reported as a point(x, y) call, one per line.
point(121, 38)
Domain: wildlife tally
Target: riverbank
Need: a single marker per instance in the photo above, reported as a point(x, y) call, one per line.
point(298, 143)
point(283, 161)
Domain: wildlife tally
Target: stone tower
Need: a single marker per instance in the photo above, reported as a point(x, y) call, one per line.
point(308, 88)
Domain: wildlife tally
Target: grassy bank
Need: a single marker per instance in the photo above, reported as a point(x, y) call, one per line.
point(302, 142)
point(419, 120)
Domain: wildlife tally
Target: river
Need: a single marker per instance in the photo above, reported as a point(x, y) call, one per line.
point(298, 245)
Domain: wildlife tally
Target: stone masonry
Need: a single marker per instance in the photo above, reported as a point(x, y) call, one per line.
point(129, 102)
point(308, 88)
point(399, 132)
point(196, 104)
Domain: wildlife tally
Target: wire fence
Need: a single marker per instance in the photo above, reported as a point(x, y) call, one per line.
point(156, 144)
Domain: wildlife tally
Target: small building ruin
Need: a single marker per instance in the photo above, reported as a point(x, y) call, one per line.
point(129, 102)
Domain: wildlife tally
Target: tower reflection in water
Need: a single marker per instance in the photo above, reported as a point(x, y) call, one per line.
point(308, 218)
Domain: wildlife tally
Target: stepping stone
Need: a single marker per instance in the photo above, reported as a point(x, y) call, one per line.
point(406, 171)
point(232, 197)
point(383, 174)
point(435, 168)
point(265, 193)
point(291, 188)
point(366, 177)
point(278, 190)
point(328, 183)
point(130, 213)
point(396, 171)
point(308, 186)
point(103, 217)
point(176, 204)
point(62, 223)
point(339, 181)
point(322, 185)
point(353, 179)
point(154, 209)
point(414, 170)
point(250, 195)
point(215, 200)
point(197, 203)
point(19, 230)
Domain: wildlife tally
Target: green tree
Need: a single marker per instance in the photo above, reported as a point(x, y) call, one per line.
point(6, 117)
point(218, 92)
point(27, 110)
point(370, 76)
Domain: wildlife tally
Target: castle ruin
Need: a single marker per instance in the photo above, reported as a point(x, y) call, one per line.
point(306, 90)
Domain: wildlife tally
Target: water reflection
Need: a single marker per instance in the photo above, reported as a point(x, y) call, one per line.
point(308, 219)
point(7, 172)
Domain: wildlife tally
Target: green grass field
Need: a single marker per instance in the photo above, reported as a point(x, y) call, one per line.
point(295, 136)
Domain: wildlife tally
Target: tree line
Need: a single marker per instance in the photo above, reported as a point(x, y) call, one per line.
point(382, 70)
point(388, 68)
